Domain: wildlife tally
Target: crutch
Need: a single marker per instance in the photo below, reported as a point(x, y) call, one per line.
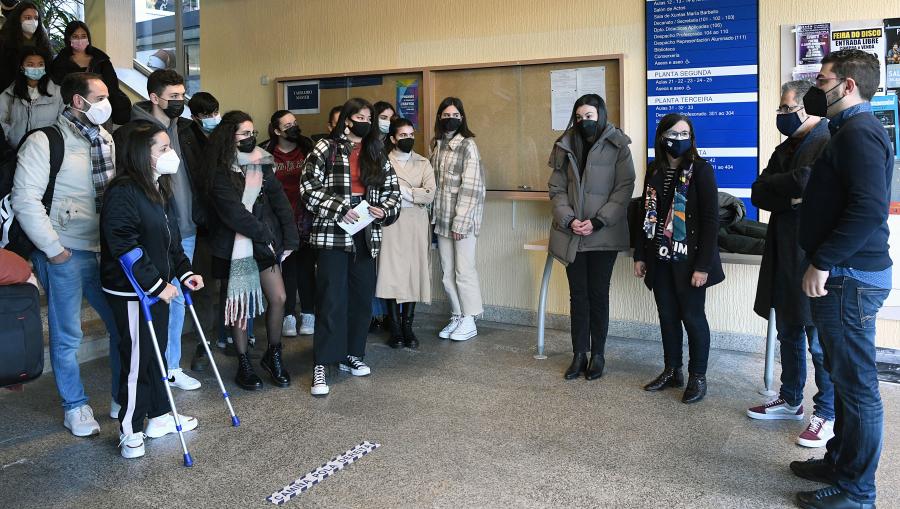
point(190, 305)
point(127, 262)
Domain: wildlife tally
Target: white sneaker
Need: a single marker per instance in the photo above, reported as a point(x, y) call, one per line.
point(132, 445)
point(319, 385)
point(307, 324)
point(178, 378)
point(80, 421)
point(448, 330)
point(222, 343)
point(465, 330)
point(817, 433)
point(163, 425)
point(289, 327)
point(114, 409)
point(355, 366)
point(777, 409)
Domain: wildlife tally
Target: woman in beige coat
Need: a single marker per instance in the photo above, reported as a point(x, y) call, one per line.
point(404, 270)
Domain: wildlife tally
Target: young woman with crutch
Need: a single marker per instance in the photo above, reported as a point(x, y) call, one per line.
point(138, 212)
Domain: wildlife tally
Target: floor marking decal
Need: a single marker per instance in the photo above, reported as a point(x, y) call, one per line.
point(314, 477)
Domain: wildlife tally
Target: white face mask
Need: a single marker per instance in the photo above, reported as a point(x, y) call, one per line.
point(29, 26)
point(99, 112)
point(384, 126)
point(168, 163)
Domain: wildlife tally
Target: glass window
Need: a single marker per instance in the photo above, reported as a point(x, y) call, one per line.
point(156, 43)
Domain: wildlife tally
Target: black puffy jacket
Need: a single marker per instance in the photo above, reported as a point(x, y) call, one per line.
point(128, 220)
point(271, 222)
point(100, 64)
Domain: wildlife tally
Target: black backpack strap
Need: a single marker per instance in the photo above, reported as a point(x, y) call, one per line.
point(57, 152)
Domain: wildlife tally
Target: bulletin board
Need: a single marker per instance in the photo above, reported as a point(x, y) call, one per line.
point(335, 90)
point(508, 106)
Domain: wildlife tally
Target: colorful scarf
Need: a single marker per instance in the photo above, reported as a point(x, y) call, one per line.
point(103, 168)
point(675, 233)
point(245, 296)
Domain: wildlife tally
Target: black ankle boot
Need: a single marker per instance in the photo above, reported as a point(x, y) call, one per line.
point(595, 370)
point(409, 337)
point(696, 389)
point(578, 366)
point(246, 378)
point(200, 361)
point(670, 377)
point(396, 340)
point(272, 364)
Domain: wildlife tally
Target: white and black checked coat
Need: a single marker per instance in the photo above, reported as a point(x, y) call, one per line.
point(325, 190)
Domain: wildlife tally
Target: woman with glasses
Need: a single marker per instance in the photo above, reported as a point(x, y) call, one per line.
point(456, 215)
point(404, 268)
point(254, 233)
point(289, 148)
point(590, 187)
point(678, 253)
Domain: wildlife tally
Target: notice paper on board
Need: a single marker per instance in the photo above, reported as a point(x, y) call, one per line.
point(567, 85)
point(365, 219)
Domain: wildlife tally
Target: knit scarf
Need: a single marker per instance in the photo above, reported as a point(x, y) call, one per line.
point(675, 233)
point(103, 168)
point(245, 296)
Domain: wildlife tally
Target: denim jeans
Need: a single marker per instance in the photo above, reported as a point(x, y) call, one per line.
point(793, 339)
point(65, 285)
point(845, 319)
point(176, 312)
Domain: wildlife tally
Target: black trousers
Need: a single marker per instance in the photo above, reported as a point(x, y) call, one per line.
point(589, 277)
point(345, 288)
point(299, 273)
point(680, 303)
point(141, 390)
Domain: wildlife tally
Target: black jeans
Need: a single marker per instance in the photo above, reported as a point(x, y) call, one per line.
point(299, 271)
point(589, 277)
point(346, 286)
point(680, 303)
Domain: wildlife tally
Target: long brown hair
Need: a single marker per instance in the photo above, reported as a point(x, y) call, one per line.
point(133, 161)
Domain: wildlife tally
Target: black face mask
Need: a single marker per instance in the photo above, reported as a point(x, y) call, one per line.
point(587, 128)
point(247, 144)
point(816, 101)
point(677, 148)
point(174, 109)
point(406, 145)
point(450, 124)
point(360, 129)
point(292, 134)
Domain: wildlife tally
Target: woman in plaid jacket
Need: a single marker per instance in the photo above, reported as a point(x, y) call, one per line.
point(344, 169)
point(458, 209)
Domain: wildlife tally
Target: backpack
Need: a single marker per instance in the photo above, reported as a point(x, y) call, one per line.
point(21, 335)
point(12, 237)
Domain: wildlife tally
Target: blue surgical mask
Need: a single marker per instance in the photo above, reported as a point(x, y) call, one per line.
point(34, 73)
point(210, 123)
point(788, 123)
point(677, 148)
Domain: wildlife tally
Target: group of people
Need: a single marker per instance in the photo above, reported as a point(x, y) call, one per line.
point(203, 198)
point(826, 270)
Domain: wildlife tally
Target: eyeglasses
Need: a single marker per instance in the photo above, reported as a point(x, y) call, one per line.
point(784, 110)
point(683, 135)
point(247, 134)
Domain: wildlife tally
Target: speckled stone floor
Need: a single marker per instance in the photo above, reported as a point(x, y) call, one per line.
point(475, 424)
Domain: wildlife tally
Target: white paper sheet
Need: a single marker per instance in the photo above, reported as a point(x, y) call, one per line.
point(591, 80)
point(567, 85)
point(365, 219)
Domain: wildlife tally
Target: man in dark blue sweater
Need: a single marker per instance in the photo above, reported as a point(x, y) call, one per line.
point(843, 229)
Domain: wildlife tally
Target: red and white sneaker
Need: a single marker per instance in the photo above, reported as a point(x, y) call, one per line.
point(817, 433)
point(777, 409)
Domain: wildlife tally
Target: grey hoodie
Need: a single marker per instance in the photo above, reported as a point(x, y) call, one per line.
point(181, 184)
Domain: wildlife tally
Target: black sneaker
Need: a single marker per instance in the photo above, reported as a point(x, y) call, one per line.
point(831, 497)
point(355, 366)
point(319, 386)
point(816, 470)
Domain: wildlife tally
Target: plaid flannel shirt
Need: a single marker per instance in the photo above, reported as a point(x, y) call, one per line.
point(459, 200)
point(325, 190)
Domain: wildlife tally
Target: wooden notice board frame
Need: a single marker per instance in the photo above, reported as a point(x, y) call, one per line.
point(431, 82)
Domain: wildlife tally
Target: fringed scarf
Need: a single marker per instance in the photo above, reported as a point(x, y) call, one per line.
point(245, 296)
point(675, 233)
